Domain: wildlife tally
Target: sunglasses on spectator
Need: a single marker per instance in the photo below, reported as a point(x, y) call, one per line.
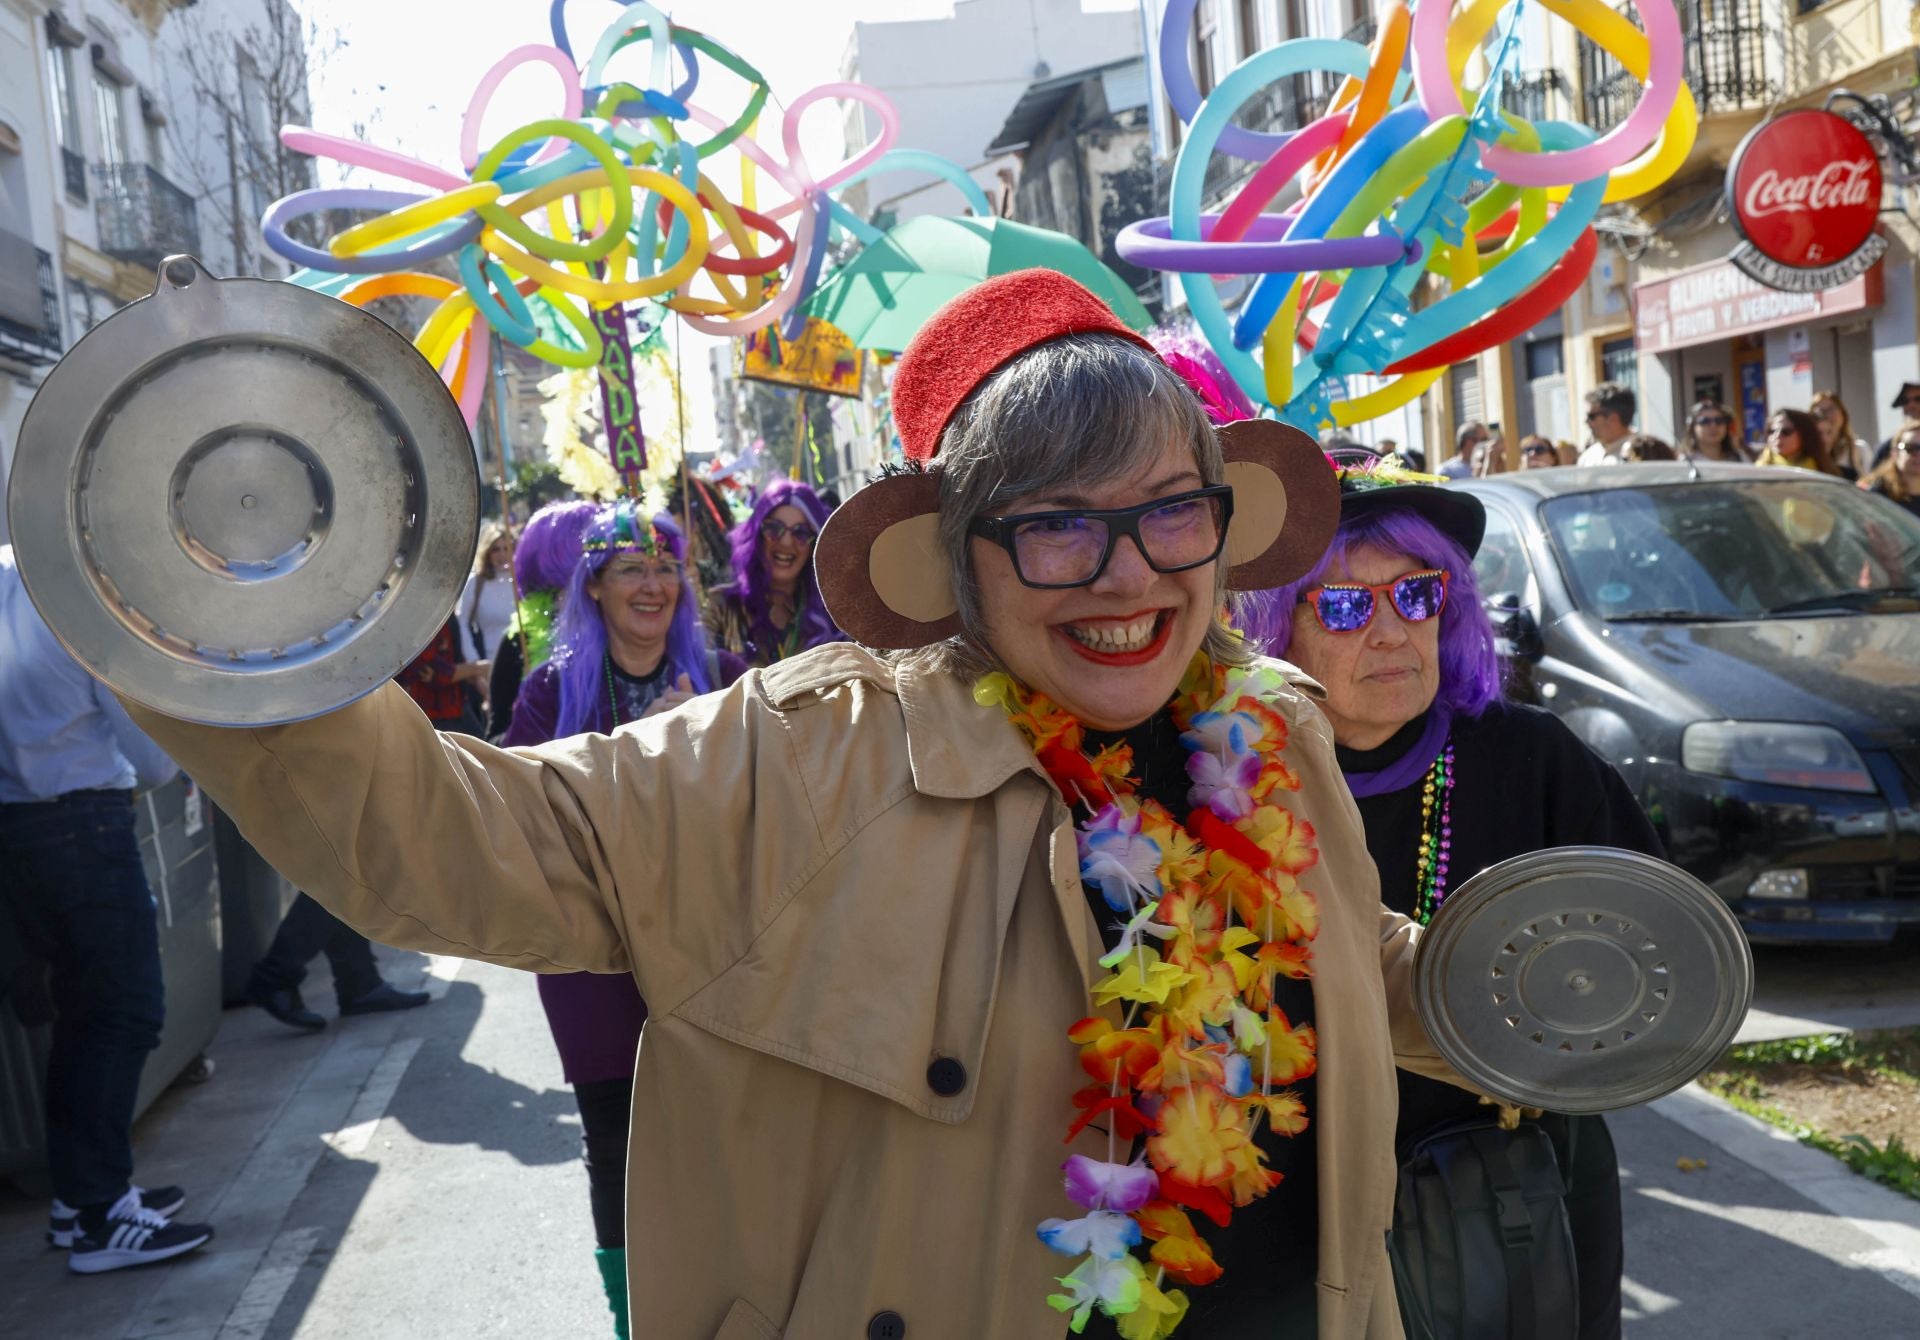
point(1055, 550)
point(1538, 449)
point(1712, 421)
point(1784, 430)
point(1912, 398)
point(1348, 607)
point(1593, 414)
point(777, 530)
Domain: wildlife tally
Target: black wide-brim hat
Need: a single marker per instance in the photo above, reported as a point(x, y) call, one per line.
point(1371, 484)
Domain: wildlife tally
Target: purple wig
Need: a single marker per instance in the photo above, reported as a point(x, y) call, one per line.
point(1469, 665)
point(579, 635)
point(1201, 369)
point(549, 548)
point(751, 582)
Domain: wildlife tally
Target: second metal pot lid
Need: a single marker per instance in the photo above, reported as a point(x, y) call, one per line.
point(242, 502)
point(1582, 979)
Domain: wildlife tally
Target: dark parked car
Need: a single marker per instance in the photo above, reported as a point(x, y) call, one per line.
point(1744, 645)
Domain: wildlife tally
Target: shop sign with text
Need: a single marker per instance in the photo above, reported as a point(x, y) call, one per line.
point(1804, 192)
point(1718, 301)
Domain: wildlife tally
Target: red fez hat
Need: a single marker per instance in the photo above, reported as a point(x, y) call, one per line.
point(978, 332)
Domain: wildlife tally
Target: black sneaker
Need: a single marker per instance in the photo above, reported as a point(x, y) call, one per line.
point(63, 1223)
point(132, 1235)
point(284, 1004)
point(381, 998)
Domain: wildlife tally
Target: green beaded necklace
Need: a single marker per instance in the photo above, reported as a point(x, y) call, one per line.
point(1436, 837)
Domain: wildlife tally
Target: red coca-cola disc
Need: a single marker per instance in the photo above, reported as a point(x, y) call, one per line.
point(1804, 188)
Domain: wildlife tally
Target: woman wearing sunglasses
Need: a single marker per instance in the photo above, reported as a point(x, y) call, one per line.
point(1449, 780)
point(772, 607)
point(1713, 434)
point(1793, 438)
point(1047, 867)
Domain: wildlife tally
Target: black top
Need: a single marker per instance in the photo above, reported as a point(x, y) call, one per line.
point(1269, 1253)
point(1522, 782)
point(1911, 502)
point(503, 686)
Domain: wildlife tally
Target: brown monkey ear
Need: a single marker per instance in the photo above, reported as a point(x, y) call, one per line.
point(881, 569)
point(1286, 503)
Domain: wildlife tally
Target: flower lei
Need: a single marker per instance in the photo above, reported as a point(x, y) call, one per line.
point(1203, 1050)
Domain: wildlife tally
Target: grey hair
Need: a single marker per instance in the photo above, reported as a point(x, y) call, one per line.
point(1079, 408)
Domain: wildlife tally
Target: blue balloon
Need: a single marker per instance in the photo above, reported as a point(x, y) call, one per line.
point(1190, 168)
point(1394, 132)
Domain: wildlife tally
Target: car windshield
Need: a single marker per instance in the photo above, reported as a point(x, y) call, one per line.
point(1731, 549)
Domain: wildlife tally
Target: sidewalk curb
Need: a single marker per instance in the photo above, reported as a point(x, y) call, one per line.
point(1886, 1216)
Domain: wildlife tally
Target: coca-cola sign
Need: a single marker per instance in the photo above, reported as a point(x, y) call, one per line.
point(1804, 191)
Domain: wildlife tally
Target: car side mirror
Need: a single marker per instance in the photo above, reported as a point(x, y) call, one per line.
point(1514, 626)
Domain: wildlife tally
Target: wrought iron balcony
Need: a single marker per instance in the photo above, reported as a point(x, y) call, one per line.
point(143, 216)
point(1725, 45)
point(76, 173)
point(1539, 95)
point(29, 302)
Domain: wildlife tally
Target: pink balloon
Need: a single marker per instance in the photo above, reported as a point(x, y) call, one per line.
point(490, 82)
point(797, 159)
point(1565, 167)
point(1275, 173)
point(354, 153)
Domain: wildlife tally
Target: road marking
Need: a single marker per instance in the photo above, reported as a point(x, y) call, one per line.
point(1643, 1302)
point(1892, 1266)
point(354, 1135)
point(260, 1301)
point(442, 969)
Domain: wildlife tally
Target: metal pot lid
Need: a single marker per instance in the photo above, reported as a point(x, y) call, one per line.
point(241, 502)
point(1582, 979)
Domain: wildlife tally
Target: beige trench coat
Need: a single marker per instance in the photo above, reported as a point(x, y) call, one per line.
point(825, 879)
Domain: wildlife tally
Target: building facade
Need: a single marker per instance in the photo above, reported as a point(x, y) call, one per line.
point(108, 162)
point(990, 51)
point(1662, 311)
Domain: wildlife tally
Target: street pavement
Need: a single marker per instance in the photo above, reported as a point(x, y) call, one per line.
point(417, 1175)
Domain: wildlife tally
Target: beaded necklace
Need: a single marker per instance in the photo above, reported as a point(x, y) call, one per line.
point(1436, 837)
point(613, 695)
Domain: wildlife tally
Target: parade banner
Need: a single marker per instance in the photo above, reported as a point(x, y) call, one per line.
point(822, 359)
point(619, 405)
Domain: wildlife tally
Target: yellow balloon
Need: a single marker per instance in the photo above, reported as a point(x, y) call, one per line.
point(414, 218)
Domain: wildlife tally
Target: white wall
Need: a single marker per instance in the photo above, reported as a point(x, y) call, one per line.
point(955, 102)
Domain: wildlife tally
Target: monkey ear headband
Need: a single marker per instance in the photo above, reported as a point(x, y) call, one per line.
point(881, 570)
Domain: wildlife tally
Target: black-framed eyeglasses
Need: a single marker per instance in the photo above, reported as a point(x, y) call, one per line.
point(1348, 607)
point(776, 530)
point(1052, 550)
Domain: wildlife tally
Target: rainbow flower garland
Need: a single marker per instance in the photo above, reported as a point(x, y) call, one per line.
point(1214, 911)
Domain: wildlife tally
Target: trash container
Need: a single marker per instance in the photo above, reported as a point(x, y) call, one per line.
point(176, 841)
point(253, 898)
point(176, 846)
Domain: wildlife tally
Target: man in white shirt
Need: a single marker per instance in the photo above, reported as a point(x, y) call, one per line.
point(1610, 408)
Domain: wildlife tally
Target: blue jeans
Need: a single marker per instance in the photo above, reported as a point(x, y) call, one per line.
point(75, 886)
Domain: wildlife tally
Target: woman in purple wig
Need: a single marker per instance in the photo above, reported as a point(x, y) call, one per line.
point(543, 562)
point(626, 645)
point(1450, 779)
point(772, 607)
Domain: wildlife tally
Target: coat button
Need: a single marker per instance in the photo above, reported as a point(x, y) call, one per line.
point(886, 1326)
point(945, 1077)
